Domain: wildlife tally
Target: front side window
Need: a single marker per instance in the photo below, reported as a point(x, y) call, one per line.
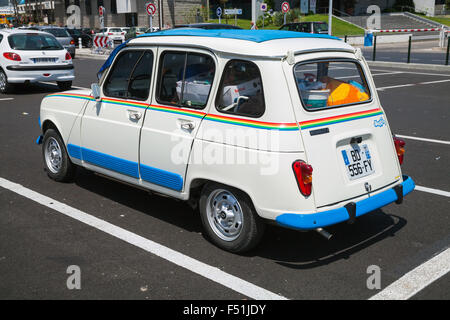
point(330, 84)
point(185, 79)
point(241, 90)
point(130, 76)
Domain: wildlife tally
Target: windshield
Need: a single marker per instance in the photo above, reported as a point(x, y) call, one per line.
point(330, 84)
point(59, 33)
point(27, 41)
point(115, 30)
point(74, 32)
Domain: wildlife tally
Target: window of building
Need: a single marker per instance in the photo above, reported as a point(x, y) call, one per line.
point(87, 4)
point(241, 90)
point(113, 6)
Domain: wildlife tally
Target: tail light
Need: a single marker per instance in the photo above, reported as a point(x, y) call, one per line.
point(72, 41)
point(12, 56)
point(110, 34)
point(399, 148)
point(303, 174)
point(68, 56)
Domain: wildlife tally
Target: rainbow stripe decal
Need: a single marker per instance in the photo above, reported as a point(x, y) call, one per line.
point(253, 123)
point(338, 119)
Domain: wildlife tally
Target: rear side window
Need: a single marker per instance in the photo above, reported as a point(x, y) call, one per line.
point(241, 90)
point(330, 84)
point(36, 41)
point(1, 38)
point(130, 76)
point(185, 79)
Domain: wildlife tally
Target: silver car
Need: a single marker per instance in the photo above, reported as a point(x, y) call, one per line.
point(63, 37)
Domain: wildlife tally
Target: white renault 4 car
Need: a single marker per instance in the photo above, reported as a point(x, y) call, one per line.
point(31, 56)
point(250, 126)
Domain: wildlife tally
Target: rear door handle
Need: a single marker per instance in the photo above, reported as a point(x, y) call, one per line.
point(186, 125)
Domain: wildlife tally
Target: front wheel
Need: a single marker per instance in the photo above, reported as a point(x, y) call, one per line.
point(56, 160)
point(64, 85)
point(229, 218)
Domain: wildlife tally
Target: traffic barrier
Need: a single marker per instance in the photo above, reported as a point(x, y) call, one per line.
point(101, 41)
point(408, 30)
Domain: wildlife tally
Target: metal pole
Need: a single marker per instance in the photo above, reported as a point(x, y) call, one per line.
point(284, 18)
point(448, 48)
point(330, 14)
point(345, 39)
point(409, 49)
point(374, 47)
point(151, 23)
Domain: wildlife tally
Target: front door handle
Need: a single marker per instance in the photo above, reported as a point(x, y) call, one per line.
point(134, 115)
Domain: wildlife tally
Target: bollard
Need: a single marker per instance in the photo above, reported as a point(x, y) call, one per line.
point(80, 44)
point(374, 47)
point(409, 49)
point(448, 48)
point(345, 39)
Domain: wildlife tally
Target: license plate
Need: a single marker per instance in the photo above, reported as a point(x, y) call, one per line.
point(43, 60)
point(358, 161)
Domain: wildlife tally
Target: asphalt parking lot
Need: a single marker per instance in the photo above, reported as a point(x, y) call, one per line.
point(130, 244)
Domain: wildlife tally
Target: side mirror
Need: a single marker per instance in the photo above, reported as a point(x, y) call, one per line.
point(95, 91)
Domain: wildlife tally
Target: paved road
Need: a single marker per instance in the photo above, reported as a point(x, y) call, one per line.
point(38, 243)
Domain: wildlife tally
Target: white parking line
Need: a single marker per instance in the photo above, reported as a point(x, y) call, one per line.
point(6, 99)
point(212, 273)
point(412, 84)
point(417, 279)
point(434, 191)
point(423, 139)
point(54, 84)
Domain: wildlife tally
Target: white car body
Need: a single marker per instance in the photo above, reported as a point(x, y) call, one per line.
point(140, 149)
point(114, 33)
point(34, 65)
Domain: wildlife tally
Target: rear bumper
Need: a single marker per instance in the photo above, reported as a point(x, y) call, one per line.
point(334, 216)
point(20, 74)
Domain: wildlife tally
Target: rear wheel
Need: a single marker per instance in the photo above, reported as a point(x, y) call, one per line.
point(5, 86)
point(229, 219)
point(64, 85)
point(56, 160)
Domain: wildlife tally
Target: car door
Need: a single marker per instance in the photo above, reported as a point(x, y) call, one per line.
point(110, 127)
point(182, 92)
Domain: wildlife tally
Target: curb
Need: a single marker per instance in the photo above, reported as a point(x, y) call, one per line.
point(92, 56)
point(410, 66)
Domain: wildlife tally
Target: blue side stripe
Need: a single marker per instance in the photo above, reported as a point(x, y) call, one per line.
point(130, 168)
point(161, 177)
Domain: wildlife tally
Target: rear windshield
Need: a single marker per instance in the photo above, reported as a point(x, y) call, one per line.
point(115, 30)
point(330, 84)
point(59, 33)
point(27, 41)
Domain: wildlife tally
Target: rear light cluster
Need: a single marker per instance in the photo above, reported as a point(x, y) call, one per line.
point(72, 41)
point(12, 56)
point(303, 174)
point(399, 148)
point(68, 56)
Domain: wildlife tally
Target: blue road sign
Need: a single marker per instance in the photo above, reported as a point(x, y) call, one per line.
point(219, 11)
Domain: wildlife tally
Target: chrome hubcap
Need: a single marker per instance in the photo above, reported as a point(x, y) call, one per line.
point(53, 155)
point(224, 215)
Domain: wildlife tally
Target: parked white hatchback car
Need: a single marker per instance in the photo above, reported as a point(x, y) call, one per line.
point(115, 34)
point(31, 56)
point(250, 126)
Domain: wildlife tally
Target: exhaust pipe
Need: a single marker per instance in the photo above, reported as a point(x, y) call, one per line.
point(324, 233)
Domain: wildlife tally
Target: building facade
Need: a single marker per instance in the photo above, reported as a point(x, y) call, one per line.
point(128, 13)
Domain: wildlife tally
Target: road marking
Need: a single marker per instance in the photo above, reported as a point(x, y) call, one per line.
point(412, 72)
point(212, 273)
point(54, 84)
point(412, 84)
point(423, 139)
point(434, 191)
point(417, 279)
point(6, 99)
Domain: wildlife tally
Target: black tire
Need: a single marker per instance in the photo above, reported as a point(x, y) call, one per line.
point(52, 148)
point(5, 86)
point(64, 85)
point(251, 228)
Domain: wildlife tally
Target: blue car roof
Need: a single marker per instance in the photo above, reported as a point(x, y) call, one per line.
point(249, 35)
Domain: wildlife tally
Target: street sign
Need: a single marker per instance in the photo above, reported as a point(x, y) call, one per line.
point(150, 8)
point(233, 11)
point(263, 7)
point(219, 11)
point(285, 7)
